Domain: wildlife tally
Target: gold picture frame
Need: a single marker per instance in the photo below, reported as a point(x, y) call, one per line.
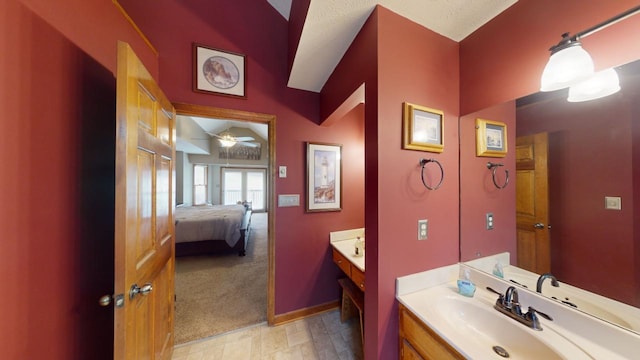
point(491, 138)
point(423, 128)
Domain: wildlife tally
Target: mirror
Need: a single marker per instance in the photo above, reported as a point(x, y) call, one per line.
point(593, 176)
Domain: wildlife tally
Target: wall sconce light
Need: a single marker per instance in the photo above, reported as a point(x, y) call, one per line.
point(571, 66)
point(569, 63)
point(600, 84)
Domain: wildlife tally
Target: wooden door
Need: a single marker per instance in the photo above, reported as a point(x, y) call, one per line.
point(532, 203)
point(144, 228)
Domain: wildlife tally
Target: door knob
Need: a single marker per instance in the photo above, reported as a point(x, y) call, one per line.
point(538, 225)
point(144, 290)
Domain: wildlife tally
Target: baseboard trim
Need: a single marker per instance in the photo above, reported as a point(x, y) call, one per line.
point(306, 312)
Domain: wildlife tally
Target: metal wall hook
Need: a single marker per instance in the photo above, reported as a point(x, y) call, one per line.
point(495, 167)
point(423, 163)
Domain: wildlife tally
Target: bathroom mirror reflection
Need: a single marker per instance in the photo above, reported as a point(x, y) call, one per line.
point(593, 166)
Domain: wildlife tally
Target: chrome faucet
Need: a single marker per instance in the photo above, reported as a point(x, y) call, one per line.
point(554, 281)
point(509, 305)
point(511, 301)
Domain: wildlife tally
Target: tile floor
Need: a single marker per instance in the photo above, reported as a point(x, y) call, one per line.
point(319, 337)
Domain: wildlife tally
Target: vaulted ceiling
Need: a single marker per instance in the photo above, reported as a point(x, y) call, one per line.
point(331, 25)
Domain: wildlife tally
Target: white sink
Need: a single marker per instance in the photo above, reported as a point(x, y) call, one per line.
point(605, 309)
point(476, 328)
point(583, 304)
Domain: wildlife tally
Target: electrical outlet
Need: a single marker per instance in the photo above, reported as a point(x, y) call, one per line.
point(423, 229)
point(489, 221)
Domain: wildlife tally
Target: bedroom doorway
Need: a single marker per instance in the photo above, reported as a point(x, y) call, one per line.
point(255, 187)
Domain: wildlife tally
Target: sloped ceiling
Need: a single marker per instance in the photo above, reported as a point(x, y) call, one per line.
point(331, 26)
point(215, 126)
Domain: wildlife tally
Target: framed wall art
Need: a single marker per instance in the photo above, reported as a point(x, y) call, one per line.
point(324, 177)
point(219, 72)
point(423, 128)
point(491, 138)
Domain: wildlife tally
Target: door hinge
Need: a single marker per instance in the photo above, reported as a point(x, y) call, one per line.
point(106, 300)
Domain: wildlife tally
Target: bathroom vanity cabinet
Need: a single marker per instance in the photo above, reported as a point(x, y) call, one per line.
point(418, 341)
point(350, 269)
point(352, 265)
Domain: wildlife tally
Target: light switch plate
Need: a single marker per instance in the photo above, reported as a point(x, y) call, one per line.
point(613, 202)
point(286, 200)
point(282, 171)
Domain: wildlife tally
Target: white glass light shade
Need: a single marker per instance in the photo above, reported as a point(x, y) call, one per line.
point(565, 68)
point(226, 143)
point(601, 84)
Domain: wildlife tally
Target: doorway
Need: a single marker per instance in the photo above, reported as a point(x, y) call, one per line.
point(532, 203)
point(255, 188)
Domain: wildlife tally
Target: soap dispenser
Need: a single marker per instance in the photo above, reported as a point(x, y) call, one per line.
point(465, 286)
point(498, 270)
point(359, 246)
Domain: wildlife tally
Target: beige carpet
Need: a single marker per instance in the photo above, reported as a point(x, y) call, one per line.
point(219, 293)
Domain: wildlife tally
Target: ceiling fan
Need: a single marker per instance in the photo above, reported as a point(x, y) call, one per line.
point(228, 140)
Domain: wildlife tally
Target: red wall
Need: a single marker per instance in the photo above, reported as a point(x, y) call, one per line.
point(58, 92)
point(478, 194)
point(96, 31)
point(258, 31)
point(47, 269)
point(635, 128)
point(52, 264)
point(426, 73)
point(590, 150)
point(504, 59)
point(359, 66)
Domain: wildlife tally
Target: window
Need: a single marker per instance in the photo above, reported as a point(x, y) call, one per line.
point(200, 184)
point(244, 185)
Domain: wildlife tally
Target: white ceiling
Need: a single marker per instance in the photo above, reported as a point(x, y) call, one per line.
point(283, 7)
point(216, 126)
point(331, 26)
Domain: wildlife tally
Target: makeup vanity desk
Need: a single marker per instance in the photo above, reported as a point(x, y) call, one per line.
point(352, 287)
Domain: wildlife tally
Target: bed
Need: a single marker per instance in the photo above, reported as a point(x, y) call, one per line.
point(212, 228)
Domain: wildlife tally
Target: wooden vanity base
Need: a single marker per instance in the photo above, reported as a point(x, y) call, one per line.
point(352, 301)
point(418, 341)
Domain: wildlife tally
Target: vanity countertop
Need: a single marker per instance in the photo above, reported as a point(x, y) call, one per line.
point(344, 242)
point(604, 308)
point(571, 334)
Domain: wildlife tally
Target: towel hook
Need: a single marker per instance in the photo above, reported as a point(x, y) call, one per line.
point(495, 167)
point(423, 163)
